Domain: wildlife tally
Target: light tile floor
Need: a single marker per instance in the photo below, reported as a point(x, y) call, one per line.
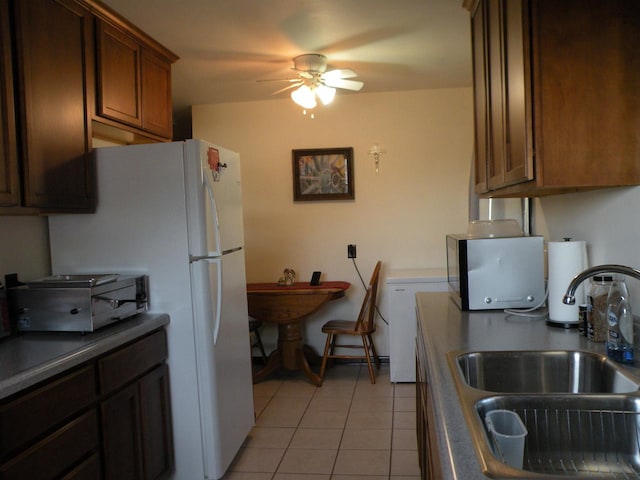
point(348, 429)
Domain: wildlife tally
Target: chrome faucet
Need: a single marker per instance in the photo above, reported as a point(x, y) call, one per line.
point(569, 297)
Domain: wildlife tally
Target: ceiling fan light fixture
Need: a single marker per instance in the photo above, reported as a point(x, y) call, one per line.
point(304, 97)
point(310, 62)
point(325, 94)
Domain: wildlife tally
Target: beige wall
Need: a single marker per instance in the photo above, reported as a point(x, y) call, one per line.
point(607, 220)
point(24, 247)
point(400, 215)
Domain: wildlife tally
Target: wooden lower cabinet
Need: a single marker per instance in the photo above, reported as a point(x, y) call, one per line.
point(57, 453)
point(69, 428)
point(428, 456)
point(137, 435)
point(155, 423)
point(121, 435)
point(87, 470)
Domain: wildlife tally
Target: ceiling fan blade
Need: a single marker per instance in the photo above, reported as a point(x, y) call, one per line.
point(341, 83)
point(288, 87)
point(290, 80)
point(340, 73)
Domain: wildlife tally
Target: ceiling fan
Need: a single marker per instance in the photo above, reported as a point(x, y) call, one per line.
point(315, 81)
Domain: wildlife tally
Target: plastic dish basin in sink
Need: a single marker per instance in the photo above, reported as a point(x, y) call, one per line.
point(582, 436)
point(543, 372)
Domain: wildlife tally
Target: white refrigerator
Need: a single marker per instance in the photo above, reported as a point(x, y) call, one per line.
point(173, 211)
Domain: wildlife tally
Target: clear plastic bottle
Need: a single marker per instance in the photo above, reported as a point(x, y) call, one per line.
point(620, 323)
point(597, 296)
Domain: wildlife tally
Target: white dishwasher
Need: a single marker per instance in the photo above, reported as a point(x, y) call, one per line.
point(402, 286)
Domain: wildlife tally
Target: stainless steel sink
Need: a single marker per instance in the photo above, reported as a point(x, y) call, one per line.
point(543, 372)
point(579, 435)
point(582, 411)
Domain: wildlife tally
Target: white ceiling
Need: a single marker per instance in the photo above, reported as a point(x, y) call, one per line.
point(225, 46)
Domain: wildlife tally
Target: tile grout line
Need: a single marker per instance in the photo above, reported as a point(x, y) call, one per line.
point(344, 426)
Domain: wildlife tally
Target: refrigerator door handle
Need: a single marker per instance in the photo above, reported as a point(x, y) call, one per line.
point(215, 225)
point(218, 315)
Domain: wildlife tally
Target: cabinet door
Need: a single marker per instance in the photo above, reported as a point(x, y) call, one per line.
point(156, 94)
point(121, 438)
point(119, 95)
point(481, 120)
point(425, 416)
point(157, 435)
point(137, 432)
point(55, 63)
point(510, 149)
point(9, 175)
point(496, 64)
point(519, 150)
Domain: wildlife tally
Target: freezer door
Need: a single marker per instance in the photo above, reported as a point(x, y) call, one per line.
point(224, 358)
point(214, 195)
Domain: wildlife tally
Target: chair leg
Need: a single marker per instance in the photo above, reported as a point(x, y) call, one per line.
point(373, 350)
point(332, 351)
point(325, 355)
point(261, 346)
point(366, 352)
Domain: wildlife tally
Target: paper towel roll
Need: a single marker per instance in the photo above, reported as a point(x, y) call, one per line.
point(566, 259)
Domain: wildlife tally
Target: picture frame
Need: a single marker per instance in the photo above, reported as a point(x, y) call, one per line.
point(323, 174)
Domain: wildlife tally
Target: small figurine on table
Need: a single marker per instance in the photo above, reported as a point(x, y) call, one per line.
point(288, 278)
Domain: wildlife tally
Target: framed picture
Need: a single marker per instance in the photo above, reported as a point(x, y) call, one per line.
point(323, 174)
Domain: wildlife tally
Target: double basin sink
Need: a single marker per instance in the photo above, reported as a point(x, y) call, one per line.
point(581, 412)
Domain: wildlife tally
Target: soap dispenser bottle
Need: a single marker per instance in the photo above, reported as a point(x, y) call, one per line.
point(620, 323)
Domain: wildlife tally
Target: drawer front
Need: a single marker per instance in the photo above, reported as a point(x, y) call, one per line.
point(33, 414)
point(128, 363)
point(87, 470)
point(56, 454)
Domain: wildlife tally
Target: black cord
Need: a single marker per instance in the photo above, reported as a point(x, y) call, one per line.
point(365, 287)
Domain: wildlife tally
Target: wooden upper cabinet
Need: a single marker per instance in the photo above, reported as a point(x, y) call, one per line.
point(562, 95)
point(9, 174)
point(518, 159)
point(497, 106)
point(481, 120)
point(586, 70)
point(134, 82)
point(118, 76)
point(156, 94)
point(503, 117)
point(54, 44)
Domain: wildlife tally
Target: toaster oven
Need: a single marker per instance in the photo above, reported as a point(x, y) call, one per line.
point(495, 273)
point(77, 303)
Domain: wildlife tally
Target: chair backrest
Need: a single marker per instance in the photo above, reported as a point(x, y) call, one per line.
point(367, 315)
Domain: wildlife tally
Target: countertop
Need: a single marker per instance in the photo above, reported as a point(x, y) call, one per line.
point(448, 328)
point(32, 357)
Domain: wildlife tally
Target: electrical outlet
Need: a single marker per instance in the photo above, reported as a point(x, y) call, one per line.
point(351, 251)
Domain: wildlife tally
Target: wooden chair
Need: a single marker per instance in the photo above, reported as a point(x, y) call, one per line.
point(254, 329)
point(363, 327)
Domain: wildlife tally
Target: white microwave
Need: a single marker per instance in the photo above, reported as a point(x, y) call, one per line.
point(495, 273)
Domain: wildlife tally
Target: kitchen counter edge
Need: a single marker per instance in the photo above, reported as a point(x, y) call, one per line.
point(31, 358)
point(447, 328)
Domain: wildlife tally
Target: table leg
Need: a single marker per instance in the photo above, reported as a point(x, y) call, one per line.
point(311, 375)
point(273, 364)
point(290, 354)
point(291, 345)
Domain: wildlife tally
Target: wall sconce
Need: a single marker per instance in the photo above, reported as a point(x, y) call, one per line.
point(376, 151)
